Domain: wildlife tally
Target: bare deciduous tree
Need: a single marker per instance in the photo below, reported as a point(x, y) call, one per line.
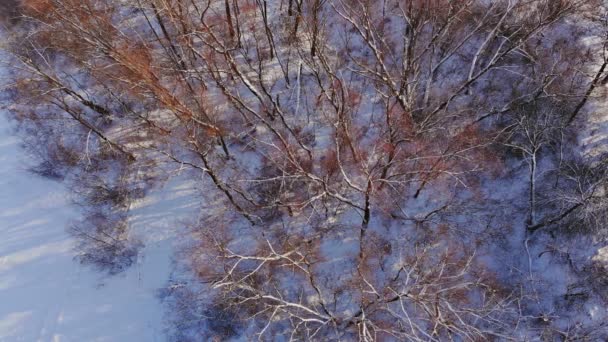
point(347, 149)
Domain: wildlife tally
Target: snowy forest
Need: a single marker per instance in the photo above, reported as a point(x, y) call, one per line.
point(364, 170)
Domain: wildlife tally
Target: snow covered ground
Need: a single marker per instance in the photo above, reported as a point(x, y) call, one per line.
point(47, 296)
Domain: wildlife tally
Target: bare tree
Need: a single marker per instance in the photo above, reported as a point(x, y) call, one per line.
point(344, 193)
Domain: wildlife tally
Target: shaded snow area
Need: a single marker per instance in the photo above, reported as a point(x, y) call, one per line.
point(45, 295)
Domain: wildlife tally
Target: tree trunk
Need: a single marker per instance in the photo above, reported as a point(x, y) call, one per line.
point(229, 20)
point(532, 195)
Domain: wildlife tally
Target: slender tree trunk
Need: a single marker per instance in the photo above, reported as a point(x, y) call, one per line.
point(594, 83)
point(264, 9)
point(231, 31)
point(315, 27)
point(237, 12)
point(366, 218)
point(532, 195)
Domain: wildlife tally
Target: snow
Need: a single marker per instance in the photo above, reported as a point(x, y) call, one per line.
point(45, 295)
point(602, 257)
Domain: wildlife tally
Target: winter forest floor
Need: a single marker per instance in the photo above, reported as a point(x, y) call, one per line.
point(304, 171)
point(44, 294)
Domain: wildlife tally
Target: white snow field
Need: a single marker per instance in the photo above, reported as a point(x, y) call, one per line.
point(45, 295)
